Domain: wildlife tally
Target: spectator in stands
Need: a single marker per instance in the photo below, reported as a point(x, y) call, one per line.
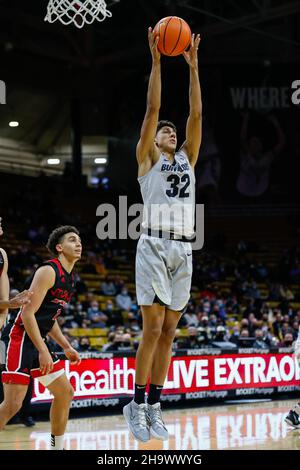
point(80, 285)
point(234, 338)
point(192, 341)
point(253, 323)
point(277, 324)
point(245, 324)
point(191, 318)
point(286, 293)
point(85, 345)
point(113, 314)
point(100, 266)
point(274, 292)
point(295, 329)
point(286, 328)
point(261, 272)
point(244, 335)
point(287, 341)
point(108, 287)
point(259, 342)
point(86, 303)
point(221, 334)
point(97, 318)
point(124, 300)
point(79, 314)
point(119, 284)
point(252, 291)
point(110, 339)
point(120, 342)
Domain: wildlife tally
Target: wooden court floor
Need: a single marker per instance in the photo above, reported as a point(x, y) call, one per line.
point(258, 425)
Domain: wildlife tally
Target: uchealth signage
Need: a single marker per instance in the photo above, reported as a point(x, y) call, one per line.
point(113, 377)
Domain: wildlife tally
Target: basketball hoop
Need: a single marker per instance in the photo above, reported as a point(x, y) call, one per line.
point(77, 12)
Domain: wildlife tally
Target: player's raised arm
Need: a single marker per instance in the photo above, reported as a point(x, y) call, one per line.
point(194, 122)
point(43, 280)
point(145, 147)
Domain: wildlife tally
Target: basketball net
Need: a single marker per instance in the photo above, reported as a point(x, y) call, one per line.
point(77, 12)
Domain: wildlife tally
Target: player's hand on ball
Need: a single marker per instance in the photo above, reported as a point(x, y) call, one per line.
point(46, 362)
point(153, 41)
point(191, 56)
point(72, 355)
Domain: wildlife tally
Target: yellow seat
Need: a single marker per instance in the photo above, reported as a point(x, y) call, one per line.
point(91, 332)
point(98, 342)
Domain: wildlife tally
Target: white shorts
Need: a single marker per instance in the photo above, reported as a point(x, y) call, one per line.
point(163, 269)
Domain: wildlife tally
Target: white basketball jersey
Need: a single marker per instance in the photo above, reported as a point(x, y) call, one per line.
point(168, 192)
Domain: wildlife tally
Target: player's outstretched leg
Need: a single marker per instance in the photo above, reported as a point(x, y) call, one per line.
point(63, 393)
point(14, 395)
point(136, 412)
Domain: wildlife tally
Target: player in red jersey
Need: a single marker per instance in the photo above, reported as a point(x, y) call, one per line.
point(27, 351)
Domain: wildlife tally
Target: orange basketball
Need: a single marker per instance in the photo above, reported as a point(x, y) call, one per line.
point(174, 35)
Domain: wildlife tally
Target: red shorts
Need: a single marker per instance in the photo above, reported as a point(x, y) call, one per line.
point(22, 358)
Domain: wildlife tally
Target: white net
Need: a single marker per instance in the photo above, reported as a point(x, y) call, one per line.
point(77, 12)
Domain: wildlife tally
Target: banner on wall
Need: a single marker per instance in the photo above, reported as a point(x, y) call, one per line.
point(106, 380)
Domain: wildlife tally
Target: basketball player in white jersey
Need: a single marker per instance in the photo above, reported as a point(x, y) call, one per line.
point(164, 252)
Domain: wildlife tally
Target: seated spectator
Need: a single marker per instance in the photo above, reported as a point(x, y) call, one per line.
point(108, 287)
point(97, 318)
point(191, 319)
point(86, 303)
point(295, 327)
point(75, 343)
point(277, 324)
point(114, 315)
point(124, 300)
point(253, 291)
point(192, 341)
point(287, 341)
point(85, 345)
point(286, 328)
point(234, 338)
point(274, 292)
point(110, 340)
point(252, 324)
point(286, 293)
point(259, 342)
point(121, 342)
point(262, 271)
point(221, 333)
point(119, 284)
point(244, 339)
point(245, 325)
point(79, 314)
point(80, 285)
point(99, 266)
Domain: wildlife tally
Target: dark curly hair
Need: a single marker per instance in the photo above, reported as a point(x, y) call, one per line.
point(57, 236)
point(161, 124)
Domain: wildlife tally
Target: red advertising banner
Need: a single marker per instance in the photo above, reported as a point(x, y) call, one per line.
point(112, 377)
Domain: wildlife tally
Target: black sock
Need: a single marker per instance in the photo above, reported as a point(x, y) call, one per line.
point(139, 393)
point(154, 394)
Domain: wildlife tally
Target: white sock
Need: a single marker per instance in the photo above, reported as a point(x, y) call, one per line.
point(57, 442)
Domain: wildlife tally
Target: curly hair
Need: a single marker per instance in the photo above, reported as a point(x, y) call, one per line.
point(57, 235)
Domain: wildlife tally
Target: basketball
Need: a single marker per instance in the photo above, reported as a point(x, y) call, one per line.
point(174, 35)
